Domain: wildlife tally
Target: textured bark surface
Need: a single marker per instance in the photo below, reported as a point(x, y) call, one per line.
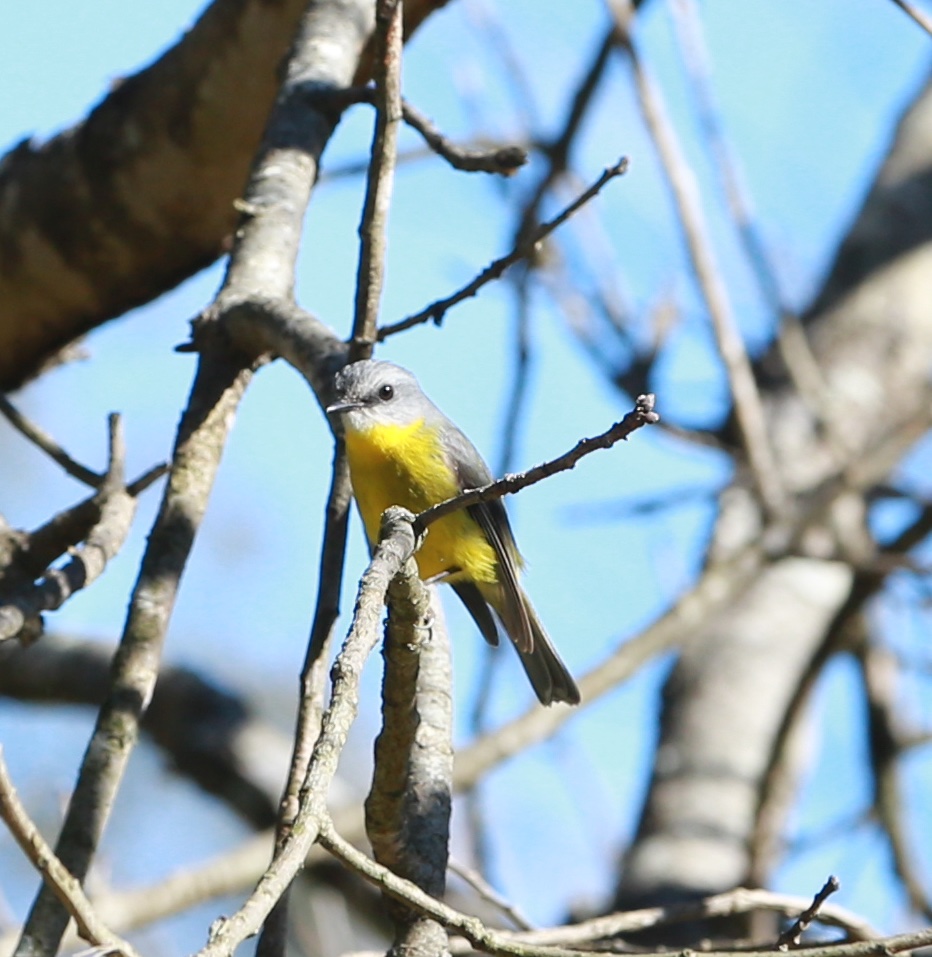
point(726, 699)
point(118, 210)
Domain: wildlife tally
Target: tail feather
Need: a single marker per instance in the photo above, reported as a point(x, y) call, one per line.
point(549, 677)
point(477, 606)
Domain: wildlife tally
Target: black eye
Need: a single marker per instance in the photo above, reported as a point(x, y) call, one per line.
point(386, 392)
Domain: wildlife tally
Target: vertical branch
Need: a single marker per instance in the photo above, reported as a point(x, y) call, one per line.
point(388, 41)
point(791, 338)
point(272, 942)
point(263, 262)
point(396, 545)
point(371, 272)
point(408, 807)
point(517, 400)
point(324, 57)
point(217, 389)
point(748, 407)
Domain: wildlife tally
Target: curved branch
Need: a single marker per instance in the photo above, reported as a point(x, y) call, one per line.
point(150, 178)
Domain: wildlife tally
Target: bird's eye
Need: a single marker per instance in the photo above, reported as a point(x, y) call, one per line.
point(386, 392)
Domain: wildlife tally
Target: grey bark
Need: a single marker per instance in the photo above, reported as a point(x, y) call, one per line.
point(724, 704)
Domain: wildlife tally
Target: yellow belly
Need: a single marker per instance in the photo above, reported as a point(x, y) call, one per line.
point(394, 465)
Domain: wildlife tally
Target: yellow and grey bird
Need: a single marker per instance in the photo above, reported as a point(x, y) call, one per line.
point(403, 450)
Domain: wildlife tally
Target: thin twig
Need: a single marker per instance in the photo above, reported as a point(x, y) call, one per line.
point(217, 389)
point(394, 548)
point(62, 531)
point(489, 894)
point(372, 230)
point(879, 675)
point(62, 884)
point(514, 944)
point(151, 475)
point(436, 311)
point(494, 37)
point(370, 276)
point(923, 19)
point(484, 939)
point(745, 394)
point(642, 414)
point(557, 150)
point(516, 402)
point(502, 160)
point(89, 560)
point(47, 444)
point(791, 338)
point(273, 939)
point(792, 936)
point(741, 900)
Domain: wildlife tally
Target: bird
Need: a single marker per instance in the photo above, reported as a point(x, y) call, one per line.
point(402, 450)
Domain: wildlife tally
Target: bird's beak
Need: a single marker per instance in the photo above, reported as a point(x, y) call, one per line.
point(338, 407)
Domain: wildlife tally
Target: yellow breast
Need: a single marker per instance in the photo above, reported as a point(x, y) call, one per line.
point(405, 465)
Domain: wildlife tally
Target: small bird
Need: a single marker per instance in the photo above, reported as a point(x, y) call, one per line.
point(403, 450)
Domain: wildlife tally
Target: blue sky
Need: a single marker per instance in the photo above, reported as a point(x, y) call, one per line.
point(809, 92)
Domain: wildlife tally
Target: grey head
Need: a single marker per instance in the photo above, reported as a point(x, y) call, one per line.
point(372, 392)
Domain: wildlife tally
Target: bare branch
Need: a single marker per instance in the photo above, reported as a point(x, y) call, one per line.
point(217, 389)
point(910, 9)
point(313, 681)
point(396, 545)
point(878, 672)
point(488, 893)
point(61, 883)
point(792, 936)
point(409, 803)
point(513, 943)
point(103, 542)
point(410, 894)
point(741, 900)
point(41, 439)
point(372, 229)
point(503, 160)
point(746, 397)
point(284, 157)
point(792, 343)
point(525, 247)
point(642, 414)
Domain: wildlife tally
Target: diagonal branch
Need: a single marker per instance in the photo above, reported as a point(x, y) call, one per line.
point(746, 396)
point(525, 247)
point(62, 884)
point(910, 9)
point(215, 394)
point(41, 439)
point(89, 560)
point(396, 545)
point(642, 414)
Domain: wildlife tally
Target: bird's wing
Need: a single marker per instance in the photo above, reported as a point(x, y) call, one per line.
point(478, 607)
point(472, 472)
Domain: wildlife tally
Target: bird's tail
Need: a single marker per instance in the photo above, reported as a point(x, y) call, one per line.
point(549, 677)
